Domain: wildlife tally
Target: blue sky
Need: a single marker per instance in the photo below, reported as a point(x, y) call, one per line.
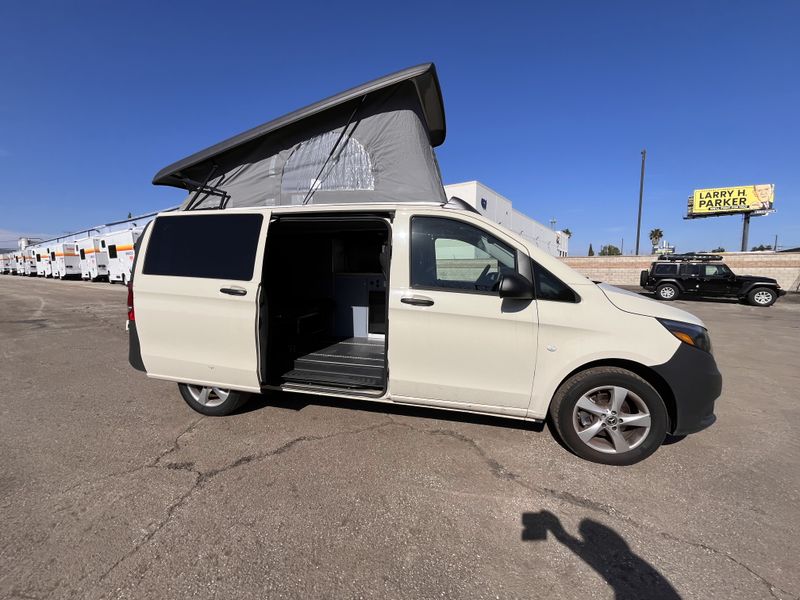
point(550, 103)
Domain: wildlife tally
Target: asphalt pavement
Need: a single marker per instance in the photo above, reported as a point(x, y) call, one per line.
point(111, 487)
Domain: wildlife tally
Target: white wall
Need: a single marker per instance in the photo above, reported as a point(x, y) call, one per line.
point(499, 209)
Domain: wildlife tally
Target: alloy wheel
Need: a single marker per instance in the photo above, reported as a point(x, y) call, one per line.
point(611, 419)
point(208, 396)
point(762, 297)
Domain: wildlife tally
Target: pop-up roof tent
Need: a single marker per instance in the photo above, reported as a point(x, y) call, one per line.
point(373, 143)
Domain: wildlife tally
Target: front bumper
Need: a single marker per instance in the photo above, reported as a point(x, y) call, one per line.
point(696, 383)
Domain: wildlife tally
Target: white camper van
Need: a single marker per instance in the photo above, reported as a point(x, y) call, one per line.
point(367, 283)
point(65, 261)
point(94, 260)
point(120, 248)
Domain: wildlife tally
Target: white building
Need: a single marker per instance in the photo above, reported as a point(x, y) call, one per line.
point(498, 208)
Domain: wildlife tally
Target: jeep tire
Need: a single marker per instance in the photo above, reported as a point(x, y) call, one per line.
point(762, 296)
point(667, 291)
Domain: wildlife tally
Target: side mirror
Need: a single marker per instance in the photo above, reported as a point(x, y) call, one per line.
point(514, 285)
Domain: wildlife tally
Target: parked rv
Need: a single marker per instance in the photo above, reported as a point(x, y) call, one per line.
point(375, 287)
point(47, 261)
point(29, 258)
point(94, 259)
point(16, 263)
point(120, 248)
point(65, 261)
point(42, 261)
point(5, 264)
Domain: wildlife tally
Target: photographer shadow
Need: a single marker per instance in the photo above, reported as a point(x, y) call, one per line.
point(605, 551)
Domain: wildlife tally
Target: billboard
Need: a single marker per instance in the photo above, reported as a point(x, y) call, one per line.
point(732, 200)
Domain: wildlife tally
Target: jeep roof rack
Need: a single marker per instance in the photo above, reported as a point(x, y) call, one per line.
point(691, 256)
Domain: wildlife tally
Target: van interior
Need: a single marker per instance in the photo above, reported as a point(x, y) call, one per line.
point(325, 302)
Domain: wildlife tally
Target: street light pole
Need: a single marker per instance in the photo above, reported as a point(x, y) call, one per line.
point(641, 193)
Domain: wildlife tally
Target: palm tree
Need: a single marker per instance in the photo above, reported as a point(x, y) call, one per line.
point(567, 233)
point(655, 236)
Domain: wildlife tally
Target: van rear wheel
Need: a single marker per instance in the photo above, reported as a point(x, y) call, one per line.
point(609, 415)
point(212, 401)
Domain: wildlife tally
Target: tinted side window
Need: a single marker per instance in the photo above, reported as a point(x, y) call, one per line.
point(83, 254)
point(667, 269)
point(112, 251)
point(550, 287)
point(208, 246)
point(453, 255)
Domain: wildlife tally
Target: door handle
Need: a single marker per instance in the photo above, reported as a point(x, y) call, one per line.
point(417, 300)
point(233, 291)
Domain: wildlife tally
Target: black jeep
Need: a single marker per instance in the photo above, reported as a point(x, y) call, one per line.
point(705, 275)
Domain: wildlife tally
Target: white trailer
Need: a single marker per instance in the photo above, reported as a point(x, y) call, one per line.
point(29, 258)
point(65, 260)
point(42, 260)
point(48, 261)
point(94, 259)
point(5, 263)
point(119, 245)
point(16, 263)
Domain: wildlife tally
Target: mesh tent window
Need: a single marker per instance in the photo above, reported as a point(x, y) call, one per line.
point(349, 169)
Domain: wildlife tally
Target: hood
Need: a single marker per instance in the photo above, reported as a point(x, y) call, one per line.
point(640, 305)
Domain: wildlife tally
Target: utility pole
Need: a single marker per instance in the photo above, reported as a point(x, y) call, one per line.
point(641, 193)
point(775, 245)
point(745, 231)
point(553, 223)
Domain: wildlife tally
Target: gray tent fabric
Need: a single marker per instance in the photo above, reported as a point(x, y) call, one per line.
point(376, 146)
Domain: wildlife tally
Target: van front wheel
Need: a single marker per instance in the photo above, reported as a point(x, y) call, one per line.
point(609, 415)
point(212, 401)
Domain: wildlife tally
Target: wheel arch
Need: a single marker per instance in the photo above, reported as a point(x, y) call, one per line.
point(675, 282)
point(643, 371)
point(751, 285)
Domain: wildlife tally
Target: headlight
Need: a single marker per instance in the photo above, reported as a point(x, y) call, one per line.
point(694, 335)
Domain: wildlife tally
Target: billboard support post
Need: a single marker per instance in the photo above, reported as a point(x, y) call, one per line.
point(641, 192)
point(745, 231)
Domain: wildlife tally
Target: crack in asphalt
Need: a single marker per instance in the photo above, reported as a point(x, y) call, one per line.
point(202, 477)
point(152, 463)
point(496, 468)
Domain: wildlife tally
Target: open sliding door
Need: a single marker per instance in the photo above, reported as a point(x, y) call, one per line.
point(196, 295)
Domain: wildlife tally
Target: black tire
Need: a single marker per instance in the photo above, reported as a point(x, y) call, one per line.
point(762, 296)
point(601, 448)
point(668, 292)
point(215, 406)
